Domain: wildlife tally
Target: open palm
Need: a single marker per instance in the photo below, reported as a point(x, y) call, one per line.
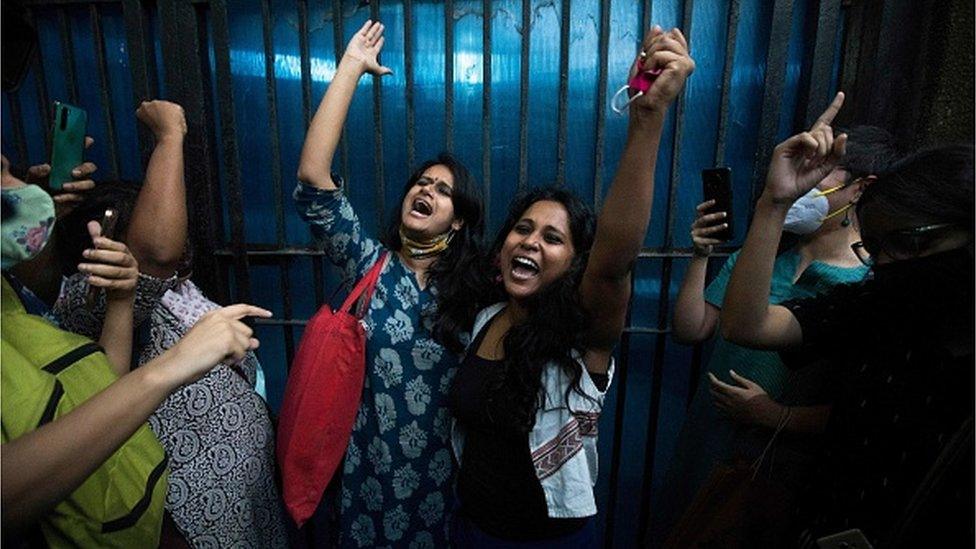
point(365, 46)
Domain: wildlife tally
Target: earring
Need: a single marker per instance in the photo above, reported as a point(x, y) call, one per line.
point(847, 219)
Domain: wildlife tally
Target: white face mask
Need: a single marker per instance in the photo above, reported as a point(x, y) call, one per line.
point(807, 213)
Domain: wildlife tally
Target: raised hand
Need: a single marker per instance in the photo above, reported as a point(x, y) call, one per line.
point(110, 265)
point(217, 337)
point(746, 401)
point(163, 118)
point(72, 193)
point(364, 48)
point(704, 226)
point(666, 52)
point(802, 161)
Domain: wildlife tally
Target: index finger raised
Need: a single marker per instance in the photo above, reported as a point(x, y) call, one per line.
point(240, 310)
point(827, 117)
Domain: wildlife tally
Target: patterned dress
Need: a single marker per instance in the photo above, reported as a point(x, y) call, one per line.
point(216, 431)
point(396, 478)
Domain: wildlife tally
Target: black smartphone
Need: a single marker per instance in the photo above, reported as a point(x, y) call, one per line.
point(108, 231)
point(717, 186)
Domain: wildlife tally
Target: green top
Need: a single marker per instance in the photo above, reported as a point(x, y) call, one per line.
point(765, 367)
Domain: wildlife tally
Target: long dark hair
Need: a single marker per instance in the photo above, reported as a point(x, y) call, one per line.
point(931, 186)
point(72, 230)
point(456, 275)
point(555, 321)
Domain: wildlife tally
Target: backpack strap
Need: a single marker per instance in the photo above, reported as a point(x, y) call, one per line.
point(364, 288)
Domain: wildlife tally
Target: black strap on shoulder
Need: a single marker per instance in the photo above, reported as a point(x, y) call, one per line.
point(132, 517)
point(52, 404)
point(59, 364)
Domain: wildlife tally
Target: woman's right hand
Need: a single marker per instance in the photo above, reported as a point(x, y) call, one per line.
point(364, 49)
point(704, 226)
point(217, 337)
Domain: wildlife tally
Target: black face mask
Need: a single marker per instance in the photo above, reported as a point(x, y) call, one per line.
point(943, 275)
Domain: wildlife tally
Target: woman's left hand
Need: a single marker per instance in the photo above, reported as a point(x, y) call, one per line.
point(745, 401)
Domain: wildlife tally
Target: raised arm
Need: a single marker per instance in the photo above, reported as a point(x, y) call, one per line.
point(322, 138)
point(797, 165)
point(44, 466)
point(157, 231)
point(605, 289)
point(694, 318)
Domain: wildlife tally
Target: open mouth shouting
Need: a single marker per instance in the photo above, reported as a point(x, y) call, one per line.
point(524, 268)
point(421, 208)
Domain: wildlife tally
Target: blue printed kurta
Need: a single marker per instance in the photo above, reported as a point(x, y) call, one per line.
point(396, 478)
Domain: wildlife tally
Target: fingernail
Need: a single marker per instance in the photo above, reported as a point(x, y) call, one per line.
point(75, 172)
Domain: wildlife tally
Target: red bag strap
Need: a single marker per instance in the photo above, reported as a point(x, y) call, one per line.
point(365, 287)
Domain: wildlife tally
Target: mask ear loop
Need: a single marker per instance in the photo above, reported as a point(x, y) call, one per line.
point(640, 83)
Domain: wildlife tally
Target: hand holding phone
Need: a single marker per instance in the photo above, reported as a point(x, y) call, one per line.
point(717, 190)
point(67, 143)
point(108, 231)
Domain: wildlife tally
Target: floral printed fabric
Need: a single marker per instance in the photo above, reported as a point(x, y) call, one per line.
point(216, 431)
point(396, 478)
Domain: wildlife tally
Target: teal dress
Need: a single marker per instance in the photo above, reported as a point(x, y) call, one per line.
point(707, 436)
point(397, 473)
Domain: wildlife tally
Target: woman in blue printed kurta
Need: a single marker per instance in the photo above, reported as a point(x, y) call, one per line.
point(397, 475)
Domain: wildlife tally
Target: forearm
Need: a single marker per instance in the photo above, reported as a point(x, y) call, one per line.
point(627, 209)
point(43, 467)
point(691, 321)
point(746, 303)
point(157, 232)
point(116, 336)
point(322, 138)
point(802, 419)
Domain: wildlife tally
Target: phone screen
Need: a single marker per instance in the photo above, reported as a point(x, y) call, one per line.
point(717, 186)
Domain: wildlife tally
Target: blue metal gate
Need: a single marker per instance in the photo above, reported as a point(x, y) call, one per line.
point(517, 88)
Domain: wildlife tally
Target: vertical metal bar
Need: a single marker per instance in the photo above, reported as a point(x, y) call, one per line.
point(601, 102)
point(449, 75)
point(819, 92)
point(184, 61)
point(779, 45)
point(524, 95)
point(270, 83)
point(135, 42)
point(228, 139)
point(16, 114)
point(851, 57)
point(408, 77)
point(318, 274)
point(306, 62)
point(664, 300)
point(378, 132)
point(732, 31)
point(68, 51)
point(99, 43)
point(486, 104)
point(340, 44)
point(40, 81)
point(563, 95)
point(216, 226)
point(618, 422)
point(271, 93)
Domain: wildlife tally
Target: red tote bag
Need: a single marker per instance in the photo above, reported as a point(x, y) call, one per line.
point(322, 396)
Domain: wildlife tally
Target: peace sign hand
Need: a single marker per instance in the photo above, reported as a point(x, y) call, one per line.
point(364, 48)
point(802, 161)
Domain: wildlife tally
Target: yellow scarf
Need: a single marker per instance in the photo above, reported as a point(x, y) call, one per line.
point(427, 248)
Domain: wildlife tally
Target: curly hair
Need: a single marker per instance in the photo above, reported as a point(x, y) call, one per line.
point(456, 275)
point(555, 322)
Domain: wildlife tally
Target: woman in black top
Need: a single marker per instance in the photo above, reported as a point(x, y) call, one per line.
point(894, 465)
